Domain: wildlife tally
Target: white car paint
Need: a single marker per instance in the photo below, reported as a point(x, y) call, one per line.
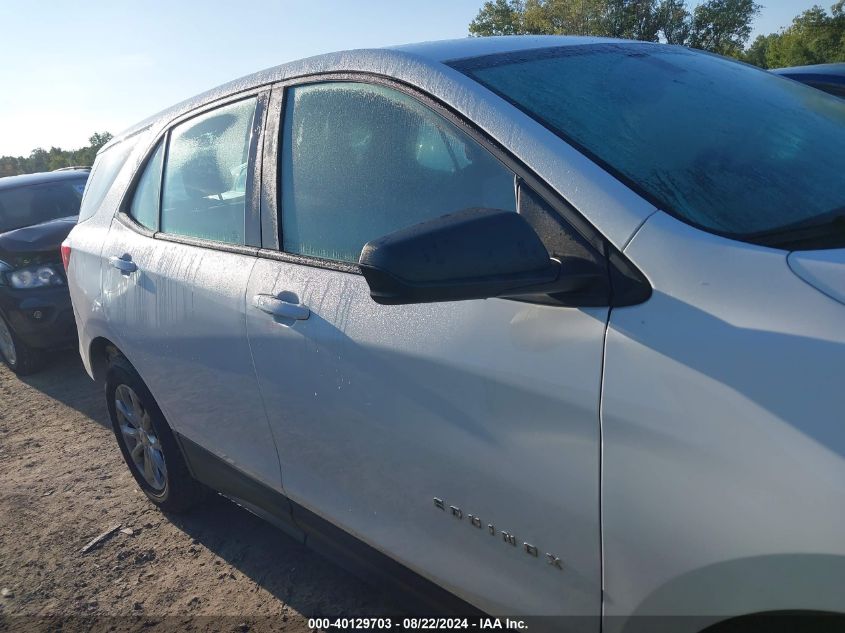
point(722, 434)
point(182, 315)
point(465, 401)
point(691, 463)
point(822, 270)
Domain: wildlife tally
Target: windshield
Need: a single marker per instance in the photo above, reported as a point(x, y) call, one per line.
point(33, 204)
point(722, 145)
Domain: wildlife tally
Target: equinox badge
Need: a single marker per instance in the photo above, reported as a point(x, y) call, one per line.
point(507, 537)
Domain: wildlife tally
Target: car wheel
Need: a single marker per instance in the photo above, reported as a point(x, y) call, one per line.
point(18, 356)
point(147, 443)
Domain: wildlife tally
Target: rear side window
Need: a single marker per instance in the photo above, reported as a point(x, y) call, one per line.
point(107, 166)
point(144, 208)
point(359, 161)
point(28, 205)
point(204, 174)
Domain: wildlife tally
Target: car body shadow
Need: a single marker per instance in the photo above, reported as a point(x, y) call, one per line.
point(297, 576)
point(63, 378)
point(294, 574)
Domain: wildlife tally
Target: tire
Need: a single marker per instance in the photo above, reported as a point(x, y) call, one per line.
point(18, 356)
point(148, 446)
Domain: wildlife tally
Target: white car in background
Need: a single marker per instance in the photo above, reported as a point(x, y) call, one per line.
point(537, 325)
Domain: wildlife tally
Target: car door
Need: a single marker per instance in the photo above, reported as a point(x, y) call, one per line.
point(459, 438)
point(176, 271)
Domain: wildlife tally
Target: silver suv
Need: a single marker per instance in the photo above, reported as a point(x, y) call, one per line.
point(546, 326)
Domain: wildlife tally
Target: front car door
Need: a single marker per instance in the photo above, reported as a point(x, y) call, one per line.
point(459, 438)
point(177, 267)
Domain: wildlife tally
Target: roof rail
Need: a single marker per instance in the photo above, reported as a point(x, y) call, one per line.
point(86, 167)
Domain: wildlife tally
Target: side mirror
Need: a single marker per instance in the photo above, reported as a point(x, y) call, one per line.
point(471, 254)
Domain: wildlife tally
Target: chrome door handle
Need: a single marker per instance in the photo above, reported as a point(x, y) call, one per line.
point(123, 265)
point(279, 308)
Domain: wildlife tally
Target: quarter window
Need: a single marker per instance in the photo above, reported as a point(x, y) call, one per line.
point(359, 161)
point(106, 168)
point(144, 209)
point(204, 187)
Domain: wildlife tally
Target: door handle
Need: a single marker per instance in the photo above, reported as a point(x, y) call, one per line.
point(279, 308)
point(123, 265)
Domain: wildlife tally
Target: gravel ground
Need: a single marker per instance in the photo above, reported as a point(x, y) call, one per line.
point(63, 482)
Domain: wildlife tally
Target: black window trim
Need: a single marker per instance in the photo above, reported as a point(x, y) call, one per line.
point(264, 199)
point(516, 166)
point(252, 211)
point(271, 188)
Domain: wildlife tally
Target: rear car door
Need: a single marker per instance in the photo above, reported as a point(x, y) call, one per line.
point(459, 438)
point(177, 263)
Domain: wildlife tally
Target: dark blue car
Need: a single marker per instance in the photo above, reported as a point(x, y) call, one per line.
point(827, 77)
point(37, 211)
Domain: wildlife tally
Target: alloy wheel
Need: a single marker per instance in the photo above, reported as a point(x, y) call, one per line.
point(139, 435)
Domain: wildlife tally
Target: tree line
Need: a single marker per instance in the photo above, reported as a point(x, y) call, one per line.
point(720, 26)
point(41, 159)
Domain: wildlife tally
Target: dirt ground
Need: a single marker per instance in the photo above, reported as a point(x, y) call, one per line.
point(63, 482)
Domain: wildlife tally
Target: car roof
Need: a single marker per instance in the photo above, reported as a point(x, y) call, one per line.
point(8, 182)
point(425, 57)
point(837, 69)
point(448, 50)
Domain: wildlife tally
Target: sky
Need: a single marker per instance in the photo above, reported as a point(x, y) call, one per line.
point(70, 69)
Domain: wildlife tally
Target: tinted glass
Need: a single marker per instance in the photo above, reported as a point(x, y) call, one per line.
point(724, 146)
point(359, 161)
point(837, 90)
point(34, 204)
point(103, 174)
point(145, 202)
point(204, 193)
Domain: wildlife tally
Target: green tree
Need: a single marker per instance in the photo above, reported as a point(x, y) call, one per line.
point(42, 160)
point(723, 26)
point(498, 17)
point(98, 139)
point(758, 51)
point(633, 19)
point(39, 160)
point(548, 17)
point(814, 37)
point(675, 21)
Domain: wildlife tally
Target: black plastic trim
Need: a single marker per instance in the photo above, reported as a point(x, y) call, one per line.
point(129, 222)
point(269, 194)
point(252, 215)
point(129, 195)
point(252, 194)
point(240, 249)
point(224, 478)
point(417, 593)
point(306, 260)
point(523, 173)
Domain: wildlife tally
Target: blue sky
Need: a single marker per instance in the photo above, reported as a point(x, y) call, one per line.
point(73, 68)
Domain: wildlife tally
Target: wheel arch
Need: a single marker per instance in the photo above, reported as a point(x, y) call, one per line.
point(729, 594)
point(780, 621)
point(100, 351)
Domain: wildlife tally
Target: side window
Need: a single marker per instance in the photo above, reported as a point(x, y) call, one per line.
point(203, 190)
point(144, 209)
point(359, 161)
point(106, 167)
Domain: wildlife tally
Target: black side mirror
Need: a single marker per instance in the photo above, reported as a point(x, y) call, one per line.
point(471, 254)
